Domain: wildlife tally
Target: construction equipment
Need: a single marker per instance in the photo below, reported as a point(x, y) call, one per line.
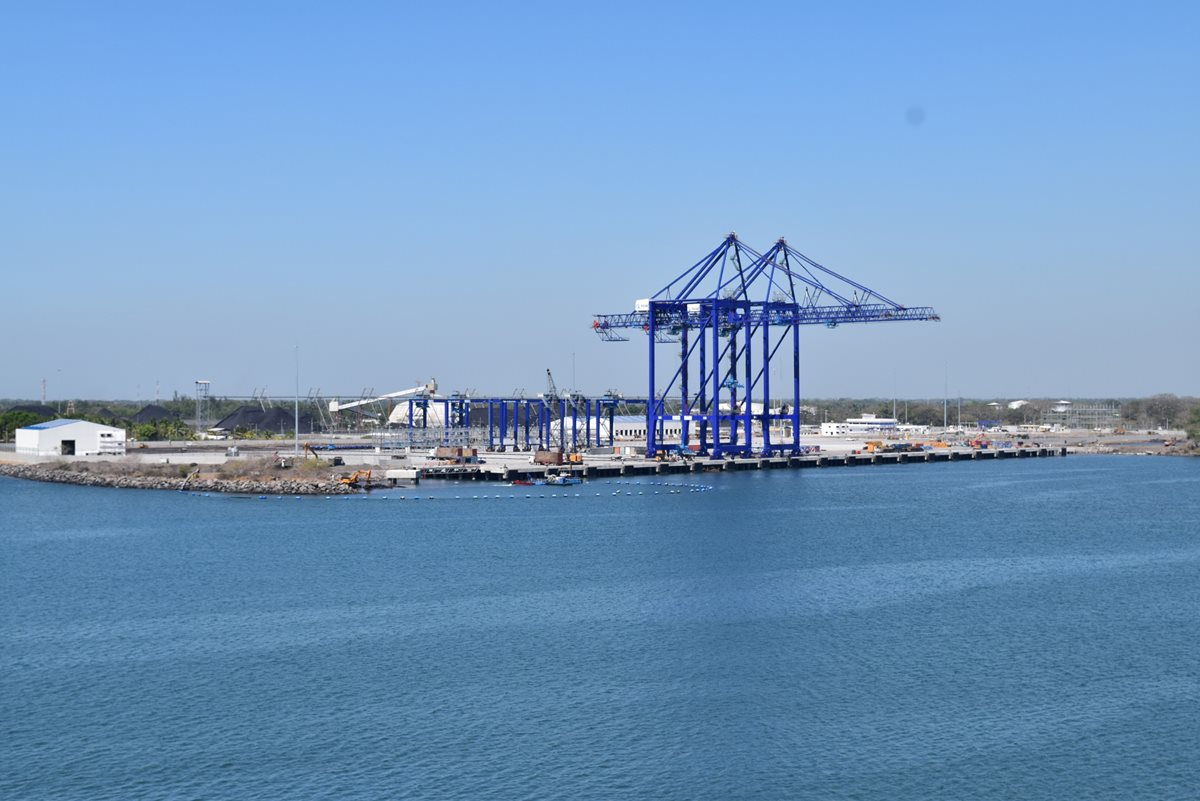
point(188, 478)
point(551, 387)
point(673, 453)
point(455, 454)
point(357, 478)
point(311, 450)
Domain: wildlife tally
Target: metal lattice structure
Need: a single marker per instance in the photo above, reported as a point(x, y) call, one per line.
point(730, 304)
point(202, 393)
point(565, 423)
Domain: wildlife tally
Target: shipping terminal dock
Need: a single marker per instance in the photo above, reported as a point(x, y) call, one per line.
point(515, 469)
point(368, 467)
point(722, 393)
point(713, 335)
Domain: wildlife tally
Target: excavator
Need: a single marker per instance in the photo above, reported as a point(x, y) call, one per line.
point(310, 451)
point(354, 479)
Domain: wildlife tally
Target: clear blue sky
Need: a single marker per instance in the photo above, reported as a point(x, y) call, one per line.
point(454, 190)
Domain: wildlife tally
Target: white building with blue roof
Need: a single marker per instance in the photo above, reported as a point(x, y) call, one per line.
point(70, 438)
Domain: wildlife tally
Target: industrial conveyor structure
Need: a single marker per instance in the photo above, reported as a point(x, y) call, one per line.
point(731, 305)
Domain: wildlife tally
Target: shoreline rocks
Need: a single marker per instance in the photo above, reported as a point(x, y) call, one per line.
point(34, 472)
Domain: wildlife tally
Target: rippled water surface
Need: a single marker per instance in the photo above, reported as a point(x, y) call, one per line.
point(1013, 629)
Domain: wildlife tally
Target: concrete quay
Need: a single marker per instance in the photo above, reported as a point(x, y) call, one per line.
point(496, 467)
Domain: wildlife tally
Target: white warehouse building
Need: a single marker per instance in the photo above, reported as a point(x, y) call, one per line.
point(70, 438)
point(867, 424)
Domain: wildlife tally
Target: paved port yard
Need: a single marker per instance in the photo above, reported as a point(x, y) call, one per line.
point(510, 466)
point(357, 451)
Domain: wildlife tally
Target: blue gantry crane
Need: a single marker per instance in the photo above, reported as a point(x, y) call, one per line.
point(733, 302)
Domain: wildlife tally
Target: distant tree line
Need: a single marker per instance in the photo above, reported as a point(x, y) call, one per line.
point(1166, 411)
point(1157, 411)
point(10, 421)
point(120, 414)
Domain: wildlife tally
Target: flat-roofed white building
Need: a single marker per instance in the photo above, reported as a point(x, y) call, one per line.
point(627, 428)
point(70, 438)
point(867, 424)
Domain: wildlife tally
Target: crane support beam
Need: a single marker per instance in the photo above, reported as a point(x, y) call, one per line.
point(677, 315)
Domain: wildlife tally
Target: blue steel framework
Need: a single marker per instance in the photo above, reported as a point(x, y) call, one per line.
point(508, 417)
point(718, 310)
point(523, 423)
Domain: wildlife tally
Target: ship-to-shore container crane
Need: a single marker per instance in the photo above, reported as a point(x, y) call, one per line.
point(733, 303)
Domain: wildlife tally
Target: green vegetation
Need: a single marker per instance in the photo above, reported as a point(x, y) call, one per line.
point(1157, 411)
point(253, 433)
point(318, 468)
point(1164, 410)
point(159, 430)
point(11, 421)
point(1192, 426)
point(118, 415)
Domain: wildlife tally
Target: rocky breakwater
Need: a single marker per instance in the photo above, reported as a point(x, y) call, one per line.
point(244, 486)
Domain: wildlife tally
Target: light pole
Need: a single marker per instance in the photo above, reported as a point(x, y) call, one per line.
point(296, 410)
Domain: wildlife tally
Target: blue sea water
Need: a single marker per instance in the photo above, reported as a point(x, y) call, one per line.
point(1012, 629)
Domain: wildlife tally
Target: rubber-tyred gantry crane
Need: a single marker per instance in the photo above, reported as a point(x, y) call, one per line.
point(731, 313)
